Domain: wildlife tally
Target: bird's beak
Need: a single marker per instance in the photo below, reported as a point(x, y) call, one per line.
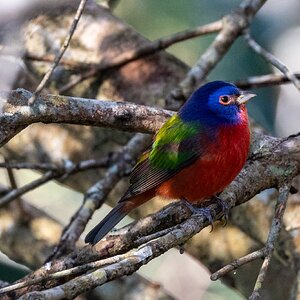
point(244, 97)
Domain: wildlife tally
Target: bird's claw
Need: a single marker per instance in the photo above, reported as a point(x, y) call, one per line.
point(200, 211)
point(224, 207)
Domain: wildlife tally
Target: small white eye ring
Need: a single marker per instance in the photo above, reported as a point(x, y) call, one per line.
point(225, 99)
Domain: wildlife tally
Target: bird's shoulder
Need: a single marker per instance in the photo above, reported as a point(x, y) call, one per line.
point(175, 143)
point(167, 141)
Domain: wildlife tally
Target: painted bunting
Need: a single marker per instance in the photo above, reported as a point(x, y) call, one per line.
point(194, 155)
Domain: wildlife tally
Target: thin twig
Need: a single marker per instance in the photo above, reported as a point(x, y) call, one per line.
point(264, 80)
point(50, 58)
point(261, 278)
point(272, 60)
point(66, 166)
point(20, 212)
point(61, 52)
point(29, 166)
point(53, 172)
point(272, 238)
point(80, 78)
point(11, 175)
point(155, 235)
point(13, 194)
point(265, 252)
point(151, 48)
point(261, 253)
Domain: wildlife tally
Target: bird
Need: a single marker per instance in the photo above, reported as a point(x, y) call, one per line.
point(193, 157)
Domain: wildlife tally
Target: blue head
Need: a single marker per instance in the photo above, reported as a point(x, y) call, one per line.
point(215, 104)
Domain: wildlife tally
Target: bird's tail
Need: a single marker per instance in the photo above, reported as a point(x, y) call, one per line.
point(123, 207)
point(112, 219)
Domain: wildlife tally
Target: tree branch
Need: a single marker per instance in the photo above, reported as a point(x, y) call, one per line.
point(53, 171)
point(261, 253)
point(15, 193)
point(272, 238)
point(264, 80)
point(17, 114)
point(65, 167)
point(267, 250)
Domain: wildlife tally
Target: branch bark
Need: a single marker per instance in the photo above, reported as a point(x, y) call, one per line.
point(18, 114)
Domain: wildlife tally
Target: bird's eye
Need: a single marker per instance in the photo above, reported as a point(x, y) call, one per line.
point(225, 100)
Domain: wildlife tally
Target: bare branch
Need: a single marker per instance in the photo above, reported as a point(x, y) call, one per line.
point(53, 172)
point(261, 253)
point(61, 274)
point(17, 114)
point(61, 53)
point(272, 238)
point(264, 80)
point(20, 212)
point(272, 60)
point(65, 167)
point(265, 252)
point(72, 288)
point(15, 193)
point(50, 58)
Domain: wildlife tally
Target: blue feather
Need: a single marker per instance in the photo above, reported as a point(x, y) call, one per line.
point(204, 107)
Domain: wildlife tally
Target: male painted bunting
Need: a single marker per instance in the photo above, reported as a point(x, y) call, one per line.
point(193, 157)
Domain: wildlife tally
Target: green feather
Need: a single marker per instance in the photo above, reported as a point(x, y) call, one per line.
point(166, 152)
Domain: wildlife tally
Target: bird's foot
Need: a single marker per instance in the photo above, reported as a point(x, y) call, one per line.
point(200, 211)
point(224, 207)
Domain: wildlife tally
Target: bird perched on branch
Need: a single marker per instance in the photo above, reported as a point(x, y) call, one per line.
point(194, 156)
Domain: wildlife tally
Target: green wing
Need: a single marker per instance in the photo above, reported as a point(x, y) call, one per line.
point(175, 146)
